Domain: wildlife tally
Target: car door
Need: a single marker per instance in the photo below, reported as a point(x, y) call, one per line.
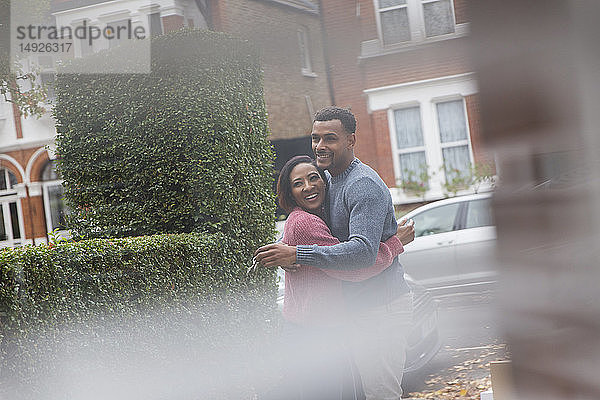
point(430, 258)
point(476, 242)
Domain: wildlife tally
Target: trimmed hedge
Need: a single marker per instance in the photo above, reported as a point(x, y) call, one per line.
point(181, 149)
point(125, 296)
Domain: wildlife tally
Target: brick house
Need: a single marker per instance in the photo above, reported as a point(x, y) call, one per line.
point(403, 68)
point(287, 33)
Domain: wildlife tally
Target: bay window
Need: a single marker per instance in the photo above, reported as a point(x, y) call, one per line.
point(431, 143)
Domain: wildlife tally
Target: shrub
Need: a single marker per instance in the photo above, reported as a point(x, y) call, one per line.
point(180, 149)
point(167, 299)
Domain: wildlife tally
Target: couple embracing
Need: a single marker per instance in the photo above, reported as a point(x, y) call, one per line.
point(346, 302)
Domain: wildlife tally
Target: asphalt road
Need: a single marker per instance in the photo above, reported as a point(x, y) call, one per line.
point(471, 337)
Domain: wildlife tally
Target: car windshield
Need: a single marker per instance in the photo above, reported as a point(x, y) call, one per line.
point(436, 220)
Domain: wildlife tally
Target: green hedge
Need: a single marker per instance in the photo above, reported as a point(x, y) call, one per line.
point(113, 298)
point(181, 149)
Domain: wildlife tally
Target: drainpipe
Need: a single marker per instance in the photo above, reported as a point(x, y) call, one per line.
point(326, 54)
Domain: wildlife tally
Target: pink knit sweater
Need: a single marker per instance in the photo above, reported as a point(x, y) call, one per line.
point(312, 295)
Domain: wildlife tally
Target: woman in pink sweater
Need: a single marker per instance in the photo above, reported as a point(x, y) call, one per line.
point(312, 295)
point(318, 365)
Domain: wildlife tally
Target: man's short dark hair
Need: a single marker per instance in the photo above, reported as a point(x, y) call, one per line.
point(344, 115)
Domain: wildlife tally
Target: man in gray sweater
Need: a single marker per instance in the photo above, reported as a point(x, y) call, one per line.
point(361, 215)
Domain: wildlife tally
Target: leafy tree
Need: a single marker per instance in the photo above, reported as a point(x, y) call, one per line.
point(12, 76)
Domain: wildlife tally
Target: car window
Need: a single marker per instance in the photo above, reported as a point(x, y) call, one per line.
point(480, 213)
point(435, 220)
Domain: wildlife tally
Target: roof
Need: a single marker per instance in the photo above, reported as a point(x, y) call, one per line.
point(309, 6)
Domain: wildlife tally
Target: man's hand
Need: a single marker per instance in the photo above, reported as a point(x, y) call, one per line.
point(406, 231)
point(276, 254)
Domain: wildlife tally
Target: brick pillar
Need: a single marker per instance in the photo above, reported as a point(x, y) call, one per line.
point(381, 134)
point(472, 104)
point(172, 23)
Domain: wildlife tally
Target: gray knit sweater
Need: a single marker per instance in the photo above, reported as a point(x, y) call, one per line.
point(360, 214)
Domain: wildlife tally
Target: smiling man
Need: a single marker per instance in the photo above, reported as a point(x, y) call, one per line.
point(360, 214)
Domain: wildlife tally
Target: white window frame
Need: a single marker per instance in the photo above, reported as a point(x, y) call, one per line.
point(48, 213)
point(456, 143)
point(432, 144)
point(416, 22)
point(427, 94)
point(80, 44)
point(148, 19)
point(45, 186)
point(304, 49)
point(8, 196)
point(397, 151)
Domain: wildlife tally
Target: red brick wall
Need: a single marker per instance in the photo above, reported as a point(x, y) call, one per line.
point(381, 133)
point(34, 217)
point(368, 23)
point(173, 22)
point(449, 57)
point(480, 153)
point(352, 75)
point(461, 11)
point(273, 29)
point(38, 167)
point(22, 157)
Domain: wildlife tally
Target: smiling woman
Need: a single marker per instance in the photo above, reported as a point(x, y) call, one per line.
point(308, 187)
point(314, 307)
point(297, 175)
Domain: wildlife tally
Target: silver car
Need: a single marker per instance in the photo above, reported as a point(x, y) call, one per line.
point(455, 241)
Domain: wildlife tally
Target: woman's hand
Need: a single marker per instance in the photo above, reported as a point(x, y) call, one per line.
point(406, 231)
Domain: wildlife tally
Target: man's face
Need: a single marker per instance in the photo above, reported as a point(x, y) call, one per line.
point(333, 145)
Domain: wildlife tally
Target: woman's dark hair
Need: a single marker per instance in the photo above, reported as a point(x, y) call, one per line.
point(284, 186)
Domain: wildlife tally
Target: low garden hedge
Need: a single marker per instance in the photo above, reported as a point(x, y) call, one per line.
point(170, 299)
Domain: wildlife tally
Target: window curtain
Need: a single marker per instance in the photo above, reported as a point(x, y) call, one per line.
point(456, 161)
point(451, 119)
point(408, 127)
point(394, 26)
point(391, 3)
point(438, 18)
point(412, 164)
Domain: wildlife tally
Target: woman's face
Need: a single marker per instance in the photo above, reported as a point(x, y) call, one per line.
point(308, 188)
